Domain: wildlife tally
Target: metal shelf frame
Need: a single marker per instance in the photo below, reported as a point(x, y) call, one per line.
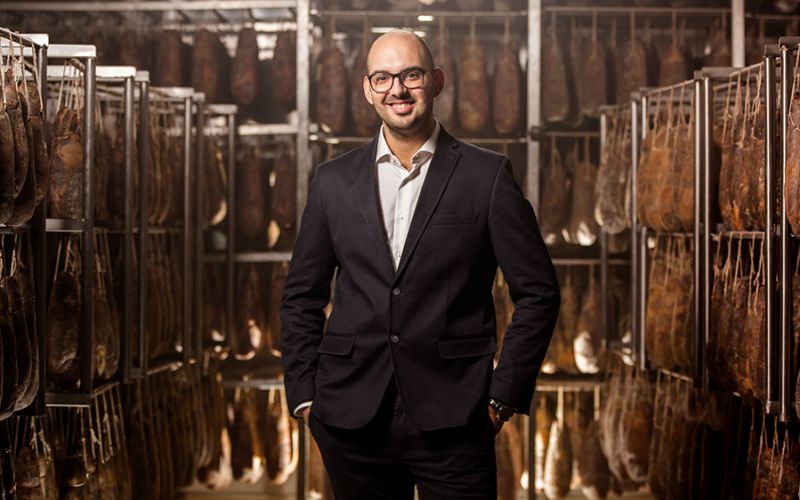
point(83, 59)
point(786, 52)
point(37, 45)
point(230, 131)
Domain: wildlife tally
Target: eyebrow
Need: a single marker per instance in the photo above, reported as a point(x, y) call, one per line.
point(404, 69)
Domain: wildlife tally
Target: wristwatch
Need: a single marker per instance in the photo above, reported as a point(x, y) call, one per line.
point(502, 410)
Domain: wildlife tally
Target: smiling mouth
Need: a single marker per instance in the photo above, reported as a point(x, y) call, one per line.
point(401, 107)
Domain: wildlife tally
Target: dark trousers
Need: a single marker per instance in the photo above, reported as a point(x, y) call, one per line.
point(387, 457)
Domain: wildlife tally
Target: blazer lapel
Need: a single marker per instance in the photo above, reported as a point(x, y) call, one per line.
point(370, 205)
point(439, 171)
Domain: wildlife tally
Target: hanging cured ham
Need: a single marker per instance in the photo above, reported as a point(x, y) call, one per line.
point(473, 87)
point(244, 75)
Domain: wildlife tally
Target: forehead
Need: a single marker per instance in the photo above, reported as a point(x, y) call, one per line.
point(394, 52)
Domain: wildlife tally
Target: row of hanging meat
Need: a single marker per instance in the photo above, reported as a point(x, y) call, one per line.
point(472, 103)
point(594, 71)
point(684, 442)
point(149, 440)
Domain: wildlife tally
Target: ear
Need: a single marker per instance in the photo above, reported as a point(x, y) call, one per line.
point(367, 90)
point(438, 81)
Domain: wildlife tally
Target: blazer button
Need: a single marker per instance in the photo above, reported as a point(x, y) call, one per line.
point(395, 339)
point(395, 292)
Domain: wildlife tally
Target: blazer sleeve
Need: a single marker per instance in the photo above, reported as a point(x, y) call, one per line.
point(305, 294)
point(533, 286)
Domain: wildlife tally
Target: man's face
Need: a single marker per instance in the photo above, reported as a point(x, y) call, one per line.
point(405, 111)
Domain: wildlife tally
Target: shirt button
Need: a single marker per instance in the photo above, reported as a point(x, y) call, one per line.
point(395, 291)
point(395, 339)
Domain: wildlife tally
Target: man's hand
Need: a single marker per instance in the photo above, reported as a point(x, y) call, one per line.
point(496, 423)
point(305, 412)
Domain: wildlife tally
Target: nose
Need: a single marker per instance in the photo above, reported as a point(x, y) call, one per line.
point(398, 90)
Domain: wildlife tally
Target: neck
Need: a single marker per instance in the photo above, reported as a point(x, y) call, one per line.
point(405, 145)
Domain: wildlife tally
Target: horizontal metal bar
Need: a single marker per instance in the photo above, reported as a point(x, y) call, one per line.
point(62, 51)
point(564, 133)
point(171, 92)
point(267, 129)
point(588, 262)
point(148, 6)
point(199, 97)
point(364, 139)
point(64, 225)
point(261, 384)
point(142, 76)
point(114, 72)
point(283, 23)
point(716, 72)
point(657, 11)
point(221, 109)
point(781, 18)
point(67, 400)
point(256, 257)
point(480, 14)
point(612, 108)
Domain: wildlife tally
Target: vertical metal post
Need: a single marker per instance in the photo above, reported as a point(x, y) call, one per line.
point(87, 252)
point(785, 384)
point(700, 250)
point(144, 234)
point(534, 120)
point(303, 158)
point(772, 176)
point(302, 152)
point(38, 244)
point(534, 100)
point(635, 135)
point(640, 339)
point(706, 121)
point(606, 330)
point(199, 224)
point(230, 248)
point(186, 296)
point(531, 445)
point(737, 33)
point(127, 250)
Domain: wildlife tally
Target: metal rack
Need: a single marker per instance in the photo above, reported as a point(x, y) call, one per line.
point(787, 48)
point(641, 111)
point(81, 58)
point(35, 46)
point(227, 114)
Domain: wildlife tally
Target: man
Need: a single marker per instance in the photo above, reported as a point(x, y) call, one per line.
point(400, 390)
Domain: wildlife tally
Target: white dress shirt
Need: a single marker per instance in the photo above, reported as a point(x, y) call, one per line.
point(399, 189)
point(398, 192)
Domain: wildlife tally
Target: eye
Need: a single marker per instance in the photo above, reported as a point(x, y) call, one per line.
point(380, 78)
point(413, 75)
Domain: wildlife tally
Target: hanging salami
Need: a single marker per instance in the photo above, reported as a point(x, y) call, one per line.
point(283, 70)
point(244, 72)
point(170, 65)
point(331, 87)
point(592, 79)
point(473, 86)
point(507, 87)
point(555, 93)
point(365, 119)
point(444, 106)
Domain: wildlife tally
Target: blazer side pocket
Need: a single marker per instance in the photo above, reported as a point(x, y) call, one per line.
point(454, 219)
point(336, 345)
point(467, 348)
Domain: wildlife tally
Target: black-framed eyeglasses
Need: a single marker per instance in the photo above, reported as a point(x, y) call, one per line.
point(411, 78)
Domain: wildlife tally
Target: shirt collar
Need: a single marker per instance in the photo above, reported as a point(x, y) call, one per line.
point(429, 147)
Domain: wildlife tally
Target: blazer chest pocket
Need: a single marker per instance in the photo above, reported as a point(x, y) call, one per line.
point(336, 345)
point(467, 348)
point(453, 219)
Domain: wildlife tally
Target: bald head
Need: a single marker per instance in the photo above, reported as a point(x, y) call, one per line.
point(398, 42)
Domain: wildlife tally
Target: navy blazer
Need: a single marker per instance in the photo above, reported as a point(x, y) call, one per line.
point(430, 323)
